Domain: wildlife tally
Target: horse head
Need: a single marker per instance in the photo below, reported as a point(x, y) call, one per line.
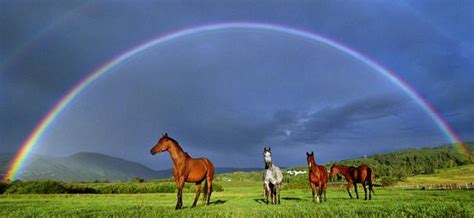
point(310, 158)
point(162, 145)
point(333, 171)
point(267, 154)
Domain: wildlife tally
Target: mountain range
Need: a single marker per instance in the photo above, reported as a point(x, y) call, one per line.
point(87, 166)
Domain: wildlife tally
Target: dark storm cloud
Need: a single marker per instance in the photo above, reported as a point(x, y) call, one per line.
point(331, 120)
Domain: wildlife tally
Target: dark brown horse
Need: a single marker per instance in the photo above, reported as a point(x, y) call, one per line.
point(362, 174)
point(318, 176)
point(186, 169)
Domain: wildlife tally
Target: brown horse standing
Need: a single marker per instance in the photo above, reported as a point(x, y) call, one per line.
point(362, 174)
point(318, 176)
point(186, 169)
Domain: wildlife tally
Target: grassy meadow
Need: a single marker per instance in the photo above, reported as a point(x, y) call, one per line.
point(456, 175)
point(244, 199)
point(239, 194)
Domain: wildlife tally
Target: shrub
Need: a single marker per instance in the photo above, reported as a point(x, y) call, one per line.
point(3, 187)
point(388, 181)
point(36, 187)
point(137, 180)
point(79, 189)
point(217, 187)
point(129, 188)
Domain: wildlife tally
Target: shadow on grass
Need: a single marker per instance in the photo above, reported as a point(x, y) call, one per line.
point(260, 200)
point(291, 199)
point(263, 201)
point(218, 202)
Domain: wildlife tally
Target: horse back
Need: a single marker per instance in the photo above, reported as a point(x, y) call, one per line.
point(364, 173)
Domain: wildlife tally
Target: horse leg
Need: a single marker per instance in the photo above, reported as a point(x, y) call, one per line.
point(204, 198)
point(267, 191)
point(355, 188)
point(349, 186)
point(198, 192)
point(180, 186)
point(278, 192)
point(365, 190)
point(209, 189)
point(325, 188)
point(371, 190)
point(274, 199)
point(320, 193)
point(313, 189)
point(272, 194)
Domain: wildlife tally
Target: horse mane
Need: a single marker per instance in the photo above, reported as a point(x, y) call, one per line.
point(178, 145)
point(341, 166)
point(173, 140)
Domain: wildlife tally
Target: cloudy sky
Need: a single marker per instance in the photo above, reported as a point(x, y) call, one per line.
point(225, 94)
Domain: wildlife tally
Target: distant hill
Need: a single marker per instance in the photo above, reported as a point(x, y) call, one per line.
point(86, 166)
point(390, 167)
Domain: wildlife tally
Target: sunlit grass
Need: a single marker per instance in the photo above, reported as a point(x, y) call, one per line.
point(244, 201)
point(456, 175)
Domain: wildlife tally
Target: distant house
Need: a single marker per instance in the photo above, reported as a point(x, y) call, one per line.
point(296, 172)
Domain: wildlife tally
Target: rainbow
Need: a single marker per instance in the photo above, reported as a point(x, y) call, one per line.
point(46, 122)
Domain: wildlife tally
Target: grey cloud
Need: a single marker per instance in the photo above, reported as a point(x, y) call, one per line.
point(320, 125)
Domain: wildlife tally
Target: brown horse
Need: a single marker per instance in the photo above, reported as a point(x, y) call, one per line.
point(318, 176)
point(362, 174)
point(186, 169)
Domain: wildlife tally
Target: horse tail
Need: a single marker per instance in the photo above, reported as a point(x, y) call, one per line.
point(209, 178)
point(370, 179)
point(205, 191)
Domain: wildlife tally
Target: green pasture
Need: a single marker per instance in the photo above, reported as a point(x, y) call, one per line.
point(244, 199)
point(456, 175)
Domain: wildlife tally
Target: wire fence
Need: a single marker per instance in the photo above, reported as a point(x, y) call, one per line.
point(438, 186)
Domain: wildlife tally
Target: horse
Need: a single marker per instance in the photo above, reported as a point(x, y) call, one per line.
point(186, 169)
point(318, 176)
point(272, 177)
point(362, 174)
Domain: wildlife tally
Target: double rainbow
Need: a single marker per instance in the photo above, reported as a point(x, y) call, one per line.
point(46, 122)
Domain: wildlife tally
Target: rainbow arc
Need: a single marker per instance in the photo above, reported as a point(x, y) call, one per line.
point(52, 115)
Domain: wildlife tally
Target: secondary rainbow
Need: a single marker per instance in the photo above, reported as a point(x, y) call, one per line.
point(43, 125)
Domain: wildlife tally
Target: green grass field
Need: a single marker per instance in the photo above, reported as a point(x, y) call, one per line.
point(456, 175)
point(244, 199)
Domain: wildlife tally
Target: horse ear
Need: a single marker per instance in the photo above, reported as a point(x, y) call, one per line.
point(166, 134)
point(307, 153)
point(312, 153)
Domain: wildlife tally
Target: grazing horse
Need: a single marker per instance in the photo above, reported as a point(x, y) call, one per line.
point(362, 174)
point(186, 169)
point(318, 176)
point(272, 177)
